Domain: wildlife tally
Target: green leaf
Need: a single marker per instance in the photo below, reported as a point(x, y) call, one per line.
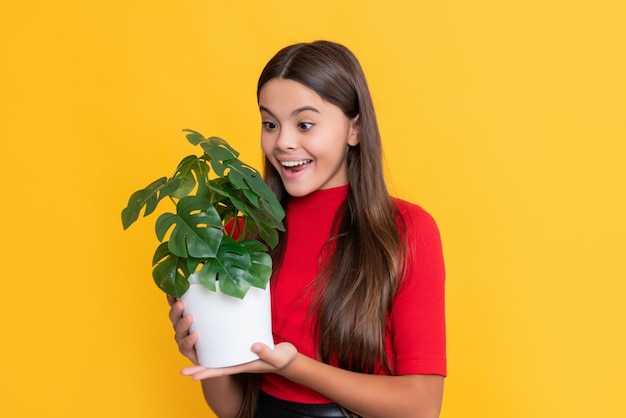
point(218, 167)
point(192, 264)
point(233, 267)
point(241, 173)
point(252, 177)
point(190, 171)
point(260, 221)
point(148, 197)
point(214, 147)
point(218, 149)
point(194, 137)
point(261, 263)
point(275, 212)
point(236, 176)
point(170, 271)
point(197, 228)
point(251, 197)
point(269, 235)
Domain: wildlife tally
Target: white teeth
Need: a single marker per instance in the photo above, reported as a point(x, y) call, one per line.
point(294, 163)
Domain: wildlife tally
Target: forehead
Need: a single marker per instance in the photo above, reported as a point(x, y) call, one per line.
point(280, 93)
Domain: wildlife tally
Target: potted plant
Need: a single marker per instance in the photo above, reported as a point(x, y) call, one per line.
point(214, 249)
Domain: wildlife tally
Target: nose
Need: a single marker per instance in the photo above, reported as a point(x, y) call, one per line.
point(286, 140)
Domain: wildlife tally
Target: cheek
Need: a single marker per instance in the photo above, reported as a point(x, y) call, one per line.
point(266, 144)
point(333, 152)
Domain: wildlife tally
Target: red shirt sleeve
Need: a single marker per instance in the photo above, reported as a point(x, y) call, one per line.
point(417, 318)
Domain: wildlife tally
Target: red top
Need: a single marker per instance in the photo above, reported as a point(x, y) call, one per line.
point(415, 337)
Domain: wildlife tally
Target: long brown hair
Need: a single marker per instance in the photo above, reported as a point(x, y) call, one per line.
point(364, 259)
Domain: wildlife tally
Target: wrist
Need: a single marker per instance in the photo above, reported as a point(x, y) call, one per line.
point(292, 370)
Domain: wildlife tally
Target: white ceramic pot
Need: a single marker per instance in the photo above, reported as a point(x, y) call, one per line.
point(227, 326)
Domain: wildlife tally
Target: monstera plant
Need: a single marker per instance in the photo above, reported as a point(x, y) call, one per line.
point(226, 219)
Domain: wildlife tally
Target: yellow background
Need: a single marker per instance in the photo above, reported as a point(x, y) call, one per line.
point(504, 119)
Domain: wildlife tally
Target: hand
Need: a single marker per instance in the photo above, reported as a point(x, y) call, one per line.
point(186, 341)
point(270, 361)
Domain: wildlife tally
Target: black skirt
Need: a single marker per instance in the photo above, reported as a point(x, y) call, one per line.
point(271, 407)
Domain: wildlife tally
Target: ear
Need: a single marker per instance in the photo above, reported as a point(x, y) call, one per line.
point(354, 131)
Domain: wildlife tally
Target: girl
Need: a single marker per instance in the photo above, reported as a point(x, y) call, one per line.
point(358, 284)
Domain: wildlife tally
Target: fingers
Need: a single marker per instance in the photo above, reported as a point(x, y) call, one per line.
point(181, 324)
point(187, 347)
point(181, 327)
point(176, 310)
point(189, 371)
point(200, 372)
point(270, 361)
point(280, 357)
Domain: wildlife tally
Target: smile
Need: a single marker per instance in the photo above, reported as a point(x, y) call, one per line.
point(294, 164)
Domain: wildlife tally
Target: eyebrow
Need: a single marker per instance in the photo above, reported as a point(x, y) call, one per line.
point(294, 113)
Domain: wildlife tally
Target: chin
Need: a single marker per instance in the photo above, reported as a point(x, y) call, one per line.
point(296, 191)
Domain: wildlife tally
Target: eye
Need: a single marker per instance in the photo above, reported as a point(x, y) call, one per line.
point(305, 126)
point(269, 126)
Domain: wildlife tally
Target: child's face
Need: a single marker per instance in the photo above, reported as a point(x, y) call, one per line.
point(305, 138)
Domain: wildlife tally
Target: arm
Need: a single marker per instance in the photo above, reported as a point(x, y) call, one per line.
point(371, 396)
point(223, 394)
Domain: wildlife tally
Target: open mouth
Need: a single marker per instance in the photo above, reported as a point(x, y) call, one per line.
point(296, 165)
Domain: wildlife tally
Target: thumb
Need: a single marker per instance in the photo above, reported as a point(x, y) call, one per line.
point(259, 349)
point(281, 356)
